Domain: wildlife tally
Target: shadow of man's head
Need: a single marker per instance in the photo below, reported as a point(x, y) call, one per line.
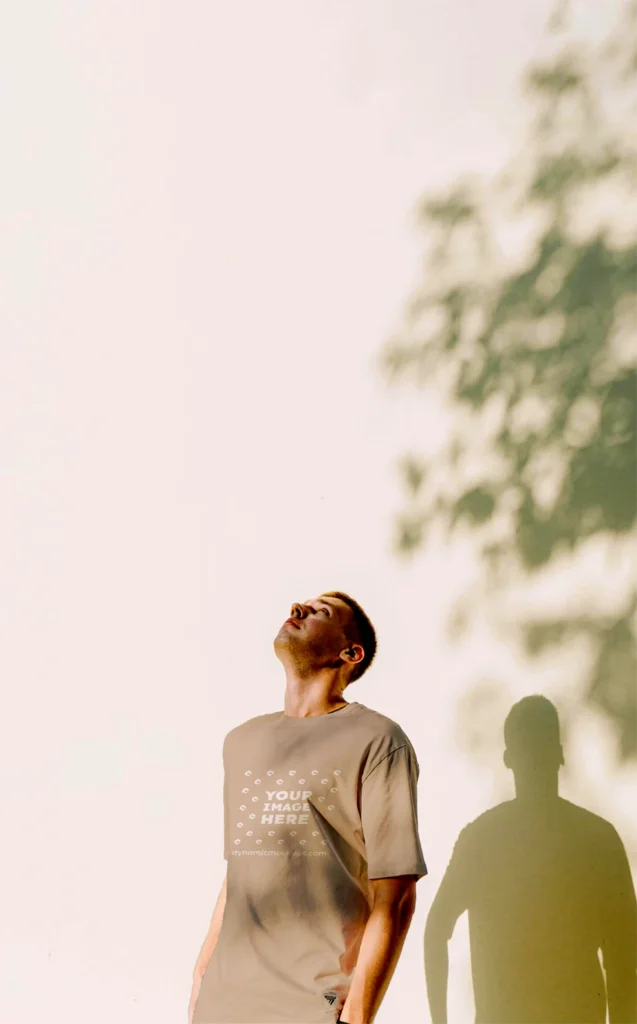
point(533, 750)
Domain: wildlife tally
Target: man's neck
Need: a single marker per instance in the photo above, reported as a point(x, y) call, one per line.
point(315, 694)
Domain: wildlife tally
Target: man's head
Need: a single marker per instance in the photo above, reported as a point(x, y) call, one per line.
point(532, 736)
point(330, 631)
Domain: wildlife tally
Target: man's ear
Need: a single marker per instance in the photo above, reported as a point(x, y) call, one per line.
point(353, 655)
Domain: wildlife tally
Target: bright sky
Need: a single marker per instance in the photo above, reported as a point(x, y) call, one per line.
point(206, 236)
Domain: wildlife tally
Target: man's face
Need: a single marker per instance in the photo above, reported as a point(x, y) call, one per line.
point(316, 631)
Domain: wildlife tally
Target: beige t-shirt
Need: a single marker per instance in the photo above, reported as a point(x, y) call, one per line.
point(314, 808)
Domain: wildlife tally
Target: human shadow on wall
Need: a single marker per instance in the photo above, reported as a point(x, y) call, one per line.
point(547, 887)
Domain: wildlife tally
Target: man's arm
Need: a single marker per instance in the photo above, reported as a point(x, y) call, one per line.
point(208, 947)
point(381, 946)
point(214, 928)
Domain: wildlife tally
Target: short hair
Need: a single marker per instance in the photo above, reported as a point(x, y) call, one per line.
point(532, 724)
point(365, 632)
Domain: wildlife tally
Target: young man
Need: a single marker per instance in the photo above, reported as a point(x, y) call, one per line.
point(547, 885)
point(321, 839)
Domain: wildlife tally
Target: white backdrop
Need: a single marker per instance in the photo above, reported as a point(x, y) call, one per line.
point(206, 235)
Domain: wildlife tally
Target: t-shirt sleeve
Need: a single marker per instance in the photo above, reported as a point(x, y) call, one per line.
point(389, 816)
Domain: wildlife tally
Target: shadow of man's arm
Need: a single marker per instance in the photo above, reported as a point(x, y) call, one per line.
point(619, 936)
point(448, 905)
point(437, 935)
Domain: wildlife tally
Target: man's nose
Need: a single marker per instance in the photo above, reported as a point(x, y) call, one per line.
point(298, 611)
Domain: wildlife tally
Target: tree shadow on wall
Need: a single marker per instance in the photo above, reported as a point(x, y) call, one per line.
point(538, 362)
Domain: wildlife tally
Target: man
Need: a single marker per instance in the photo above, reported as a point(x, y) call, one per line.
point(321, 839)
point(547, 885)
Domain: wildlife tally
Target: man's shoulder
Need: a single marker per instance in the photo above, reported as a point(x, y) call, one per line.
point(382, 736)
point(256, 722)
point(361, 717)
point(382, 725)
point(373, 728)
